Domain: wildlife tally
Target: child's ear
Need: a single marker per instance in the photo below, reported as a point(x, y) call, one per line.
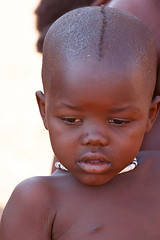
point(153, 112)
point(41, 104)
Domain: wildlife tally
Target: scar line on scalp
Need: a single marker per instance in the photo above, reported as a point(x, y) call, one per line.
point(102, 10)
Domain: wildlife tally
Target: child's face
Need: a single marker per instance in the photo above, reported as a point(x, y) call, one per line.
point(96, 116)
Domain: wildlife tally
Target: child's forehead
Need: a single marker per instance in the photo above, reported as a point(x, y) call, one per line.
point(86, 73)
point(91, 66)
point(86, 84)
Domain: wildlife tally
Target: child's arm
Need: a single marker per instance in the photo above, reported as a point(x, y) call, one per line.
point(28, 214)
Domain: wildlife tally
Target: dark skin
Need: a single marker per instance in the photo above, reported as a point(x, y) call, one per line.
point(149, 12)
point(96, 108)
point(96, 211)
point(129, 202)
point(146, 10)
point(151, 17)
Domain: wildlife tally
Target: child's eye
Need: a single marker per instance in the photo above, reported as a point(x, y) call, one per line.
point(71, 120)
point(118, 121)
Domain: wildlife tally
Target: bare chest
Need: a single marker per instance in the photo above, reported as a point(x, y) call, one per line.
point(120, 214)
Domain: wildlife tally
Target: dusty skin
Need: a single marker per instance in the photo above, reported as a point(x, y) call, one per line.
point(97, 109)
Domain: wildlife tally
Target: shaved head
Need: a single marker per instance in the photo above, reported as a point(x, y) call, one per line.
point(99, 34)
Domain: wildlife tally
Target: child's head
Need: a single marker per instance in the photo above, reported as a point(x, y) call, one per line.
point(48, 11)
point(99, 74)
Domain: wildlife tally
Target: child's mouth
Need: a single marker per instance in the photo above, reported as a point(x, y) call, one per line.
point(94, 163)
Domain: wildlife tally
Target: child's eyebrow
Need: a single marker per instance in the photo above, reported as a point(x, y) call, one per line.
point(126, 108)
point(62, 105)
point(112, 110)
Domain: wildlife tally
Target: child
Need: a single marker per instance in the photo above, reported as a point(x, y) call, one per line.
point(49, 10)
point(99, 74)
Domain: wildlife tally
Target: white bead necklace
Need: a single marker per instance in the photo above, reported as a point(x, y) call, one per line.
point(130, 167)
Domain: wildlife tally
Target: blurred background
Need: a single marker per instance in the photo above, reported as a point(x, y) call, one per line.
point(24, 143)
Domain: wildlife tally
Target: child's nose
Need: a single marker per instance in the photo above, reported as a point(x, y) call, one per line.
point(94, 138)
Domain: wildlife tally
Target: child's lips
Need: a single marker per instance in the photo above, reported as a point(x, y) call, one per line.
point(94, 163)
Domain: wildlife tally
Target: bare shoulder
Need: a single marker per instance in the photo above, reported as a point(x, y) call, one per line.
point(31, 207)
point(33, 192)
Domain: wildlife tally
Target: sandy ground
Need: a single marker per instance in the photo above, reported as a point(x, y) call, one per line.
point(24, 144)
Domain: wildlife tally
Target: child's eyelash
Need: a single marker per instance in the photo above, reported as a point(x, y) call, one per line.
point(118, 121)
point(71, 120)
